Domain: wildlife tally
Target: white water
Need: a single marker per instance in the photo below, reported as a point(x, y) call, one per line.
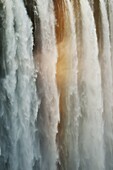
point(110, 16)
point(56, 106)
point(72, 96)
point(91, 125)
point(49, 107)
point(68, 88)
point(106, 71)
point(19, 102)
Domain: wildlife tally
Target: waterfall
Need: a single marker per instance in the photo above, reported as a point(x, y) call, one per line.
point(90, 96)
point(46, 65)
point(56, 85)
point(67, 85)
point(106, 71)
point(18, 100)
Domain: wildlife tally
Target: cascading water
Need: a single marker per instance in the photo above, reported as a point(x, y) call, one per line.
point(106, 72)
point(69, 103)
point(56, 92)
point(18, 100)
point(90, 95)
point(110, 16)
point(49, 108)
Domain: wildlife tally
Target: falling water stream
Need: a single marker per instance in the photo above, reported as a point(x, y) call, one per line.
point(56, 85)
point(90, 95)
point(19, 102)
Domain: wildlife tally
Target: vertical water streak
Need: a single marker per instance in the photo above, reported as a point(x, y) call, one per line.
point(110, 16)
point(106, 72)
point(67, 85)
point(46, 60)
point(20, 103)
point(7, 97)
point(91, 123)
